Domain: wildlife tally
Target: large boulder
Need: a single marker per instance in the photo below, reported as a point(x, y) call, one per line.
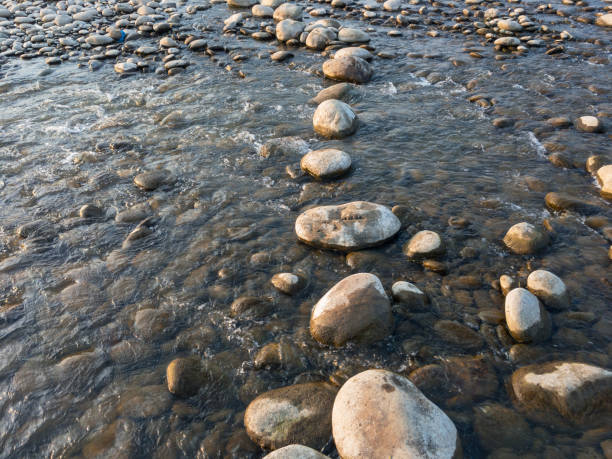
point(294, 414)
point(526, 318)
point(379, 414)
point(334, 119)
point(579, 392)
point(347, 227)
point(348, 68)
point(524, 238)
point(549, 289)
point(356, 308)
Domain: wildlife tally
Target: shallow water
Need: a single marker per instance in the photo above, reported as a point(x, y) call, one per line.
point(77, 379)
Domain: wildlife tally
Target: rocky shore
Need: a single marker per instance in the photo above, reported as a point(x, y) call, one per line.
point(353, 320)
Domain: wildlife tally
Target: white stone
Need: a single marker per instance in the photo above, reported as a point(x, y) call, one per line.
point(392, 5)
point(605, 20)
point(424, 244)
point(327, 163)
point(334, 119)
point(549, 288)
point(527, 320)
point(295, 452)
point(512, 26)
point(288, 11)
point(507, 41)
point(289, 29)
point(379, 414)
point(261, 11)
point(408, 293)
point(350, 35)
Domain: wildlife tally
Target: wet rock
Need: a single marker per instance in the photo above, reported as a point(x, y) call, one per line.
point(99, 40)
point(284, 354)
point(524, 238)
point(349, 35)
point(151, 180)
point(509, 25)
point(280, 56)
point(507, 283)
point(559, 122)
point(509, 42)
point(457, 381)
point(241, 3)
point(294, 414)
point(354, 51)
point(126, 67)
point(579, 392)
point(145, 402)
point(344, 92)
point(326, 164)
point(564, 201)
point(134, 214)
point(319, 38)
point(288, 283)
point(424, 244)
point(347, 227)
point(526, 318)
point(605, 20)
point(261, 11)
point(458, 334)
point(35, 229)
point(295, 452)
point(392, 5)
point(356, 308)
point(334, 119)
point(250, 306)
point(409, 295)
point(197, 45)
point(604, 177)
point(185, 376)
point(549, 289)
point(378, 413)
point(151, 324)
point(351, 69)
point(589, 124)
point(500, 427)
point(289, 29)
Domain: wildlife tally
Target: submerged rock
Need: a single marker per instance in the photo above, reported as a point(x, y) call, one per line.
point(288, 283)
point(334, 119)
point(344, 92)
point(294, 414)
point(579, 392)
point(356, 308)
point(347, 227)
point(379, 414)
point(409, 295)
point(524, 238)
point(424, 244)
point(185, 376)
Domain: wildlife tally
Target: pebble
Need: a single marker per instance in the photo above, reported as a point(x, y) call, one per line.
point(347, 227)
point(326, 164)
point(287, 283)
point(355, 309)
point(526, 318)
point(378, 413)
point(334, 119)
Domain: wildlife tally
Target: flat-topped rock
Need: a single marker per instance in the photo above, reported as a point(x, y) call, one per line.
point(380, 414)
point(326, 164)
point(356, 308)
point(579, 392)
point(348, 68)
point(347, 227)
point(294, 414)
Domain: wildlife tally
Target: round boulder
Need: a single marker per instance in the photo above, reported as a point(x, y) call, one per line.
point(326, 164)
point(347, 227)
point(526, 318)
point(378, 413)
point(549, 289)
point(356, 308)
point(524, 238)
point(294, 414)
point(348, 68)
point(334, 119)
point(424, 244)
